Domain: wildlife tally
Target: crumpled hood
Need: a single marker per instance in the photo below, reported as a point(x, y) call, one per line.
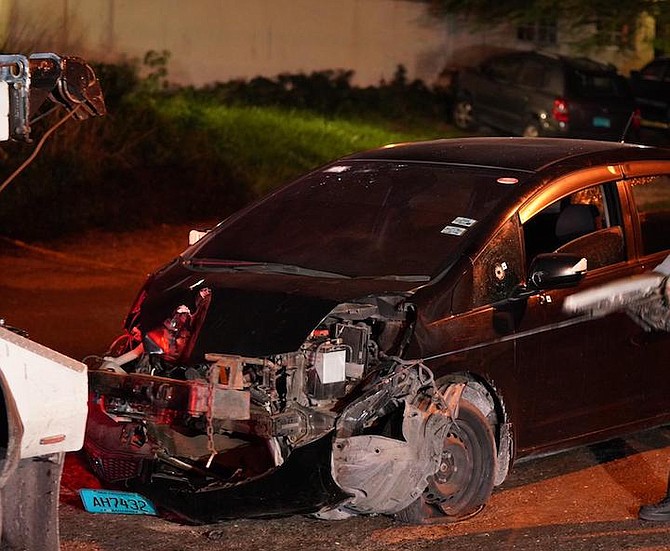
point(251, 314)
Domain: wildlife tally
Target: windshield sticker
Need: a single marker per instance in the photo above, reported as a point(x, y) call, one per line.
point(462, 221)
point(453, 230)
point(337, 169)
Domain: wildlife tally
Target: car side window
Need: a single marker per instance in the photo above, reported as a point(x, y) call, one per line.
point(585, 223)
point(499, 267)
point(652, 201)
point(655, 71)
point(502, 69)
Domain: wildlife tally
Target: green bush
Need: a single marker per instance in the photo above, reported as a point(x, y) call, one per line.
point(331, 93)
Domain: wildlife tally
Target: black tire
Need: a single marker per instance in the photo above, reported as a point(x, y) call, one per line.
point(463, 114)
point(464, 481)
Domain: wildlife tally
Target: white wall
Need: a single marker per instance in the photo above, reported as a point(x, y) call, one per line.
point(221, 39)
point(217, 40)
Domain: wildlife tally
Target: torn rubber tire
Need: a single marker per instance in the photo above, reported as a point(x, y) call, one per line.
point(464, 480)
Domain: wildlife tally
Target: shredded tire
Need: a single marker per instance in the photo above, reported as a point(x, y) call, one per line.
point(464, 482)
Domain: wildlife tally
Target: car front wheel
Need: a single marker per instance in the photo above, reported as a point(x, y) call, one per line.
point(464, 480)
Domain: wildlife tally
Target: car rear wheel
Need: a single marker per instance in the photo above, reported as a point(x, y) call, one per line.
point(464, 115)
point(464, 480)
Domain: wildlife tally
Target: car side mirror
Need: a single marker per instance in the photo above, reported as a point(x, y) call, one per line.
point(196, 235)
point(550, 271)
point(556, 270)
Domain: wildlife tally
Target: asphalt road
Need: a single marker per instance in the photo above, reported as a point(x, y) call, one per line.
point(72, 297)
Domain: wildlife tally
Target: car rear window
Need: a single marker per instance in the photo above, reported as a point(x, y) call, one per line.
point(582, 84)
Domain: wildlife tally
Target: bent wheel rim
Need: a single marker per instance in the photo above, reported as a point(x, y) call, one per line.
point(453, 482)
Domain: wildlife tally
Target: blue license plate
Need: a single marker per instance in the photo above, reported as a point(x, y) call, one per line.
point(601, 122)
point(110, 501)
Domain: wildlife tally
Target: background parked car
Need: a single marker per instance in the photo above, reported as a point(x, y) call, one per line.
point(533, 94)
point(651, 87)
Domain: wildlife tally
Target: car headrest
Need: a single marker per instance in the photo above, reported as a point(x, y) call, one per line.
point(575, 221)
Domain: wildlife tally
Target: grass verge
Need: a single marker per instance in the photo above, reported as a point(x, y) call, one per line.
point(160, 159)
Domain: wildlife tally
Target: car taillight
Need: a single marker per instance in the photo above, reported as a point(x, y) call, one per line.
point(560, 111)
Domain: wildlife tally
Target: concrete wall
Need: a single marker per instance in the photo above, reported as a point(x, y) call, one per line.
point(222, 39)
point(218, 40)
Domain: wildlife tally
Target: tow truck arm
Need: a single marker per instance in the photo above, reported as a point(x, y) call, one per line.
point(27, 82)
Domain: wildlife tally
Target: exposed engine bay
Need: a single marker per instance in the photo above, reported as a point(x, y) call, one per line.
point(225, 420)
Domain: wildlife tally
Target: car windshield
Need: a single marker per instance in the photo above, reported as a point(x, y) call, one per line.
point(361, 219)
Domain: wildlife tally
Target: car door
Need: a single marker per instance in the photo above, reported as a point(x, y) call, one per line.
point(497, 97)
point(532, 99)
point(649, 193)
point(576, 372)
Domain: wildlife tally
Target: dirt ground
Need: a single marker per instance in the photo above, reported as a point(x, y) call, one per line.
point(72, 296)
point(586, 499)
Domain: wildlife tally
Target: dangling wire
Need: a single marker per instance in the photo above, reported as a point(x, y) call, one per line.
point(37, 149)
point(45, 114)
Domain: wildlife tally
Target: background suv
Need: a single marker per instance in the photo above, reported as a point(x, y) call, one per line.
point(532, 94)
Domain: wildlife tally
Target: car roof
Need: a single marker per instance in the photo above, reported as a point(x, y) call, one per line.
point(580, 63)
point(662, 58)
point(520, 154)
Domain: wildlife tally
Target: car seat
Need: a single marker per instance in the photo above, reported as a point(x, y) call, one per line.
point(575, 221)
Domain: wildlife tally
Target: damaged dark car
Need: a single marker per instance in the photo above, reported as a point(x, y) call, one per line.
point(386, 334)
